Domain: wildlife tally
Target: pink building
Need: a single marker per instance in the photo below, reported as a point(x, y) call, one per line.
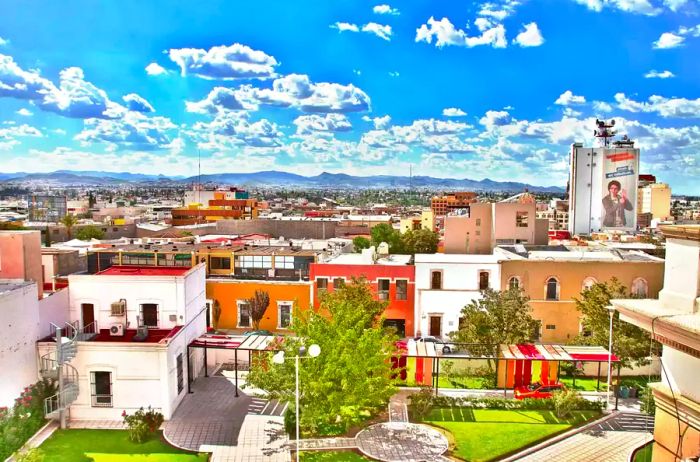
point(20, 257)
point(487, 225)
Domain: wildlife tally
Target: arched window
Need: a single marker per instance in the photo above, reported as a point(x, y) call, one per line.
point(514, 282)
point(552, 289)
point(640, 288)
point(588, 283)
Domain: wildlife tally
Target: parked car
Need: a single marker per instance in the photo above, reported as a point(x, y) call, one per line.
point(439, 343)
point(537, 390)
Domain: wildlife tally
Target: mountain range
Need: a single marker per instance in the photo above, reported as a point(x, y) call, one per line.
point(272, 178)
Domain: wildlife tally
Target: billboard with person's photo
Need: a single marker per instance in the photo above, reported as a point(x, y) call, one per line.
point(619, 189)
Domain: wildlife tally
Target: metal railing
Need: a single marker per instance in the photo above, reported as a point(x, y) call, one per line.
point(101, 400)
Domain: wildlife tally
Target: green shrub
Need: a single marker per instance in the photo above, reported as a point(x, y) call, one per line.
point(290, 421)
point(142, 424)
point(33, 455)
point(648, 405)
point(566, 401)
point(421, 403)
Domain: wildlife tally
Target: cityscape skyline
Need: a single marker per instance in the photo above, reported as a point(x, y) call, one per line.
point(345, 88)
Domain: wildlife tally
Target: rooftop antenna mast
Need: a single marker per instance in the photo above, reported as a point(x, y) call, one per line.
point(410, 176)
point(605, 131)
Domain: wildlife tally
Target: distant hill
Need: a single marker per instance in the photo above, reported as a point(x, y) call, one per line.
point(276, 178)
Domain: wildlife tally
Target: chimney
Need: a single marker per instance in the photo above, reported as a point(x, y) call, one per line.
point(682, 270)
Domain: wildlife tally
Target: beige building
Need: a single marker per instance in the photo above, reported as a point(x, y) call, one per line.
point(426, 220)
point(552, 277)
point(486, 225)
point(655, 199)
point(674, 320)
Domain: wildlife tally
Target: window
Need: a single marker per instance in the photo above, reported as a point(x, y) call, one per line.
point(284, 262)
point(255, 261)
point(521, 219)
point(101, 388)
point(514, 282)
point(383, 289)
point(322, 284)
point(219, 263)
point(243, 314)
point(550, 327)
point(552, 289)
point(401, 289)
point(640, 287)
point(338, 283)
point(483, 280)
point(478, 222)
point(284, 315)
point(588, 283)
point(180, 374)
point(436, 280)
point(149, 314)
point(477, 232)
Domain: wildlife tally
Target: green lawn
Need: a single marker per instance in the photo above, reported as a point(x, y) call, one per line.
point(589, 383)
point(331, 456)
point(485, 434)
point(644, 455)
point(110, 446)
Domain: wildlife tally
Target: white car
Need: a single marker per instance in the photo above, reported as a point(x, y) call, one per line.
point(439, 343)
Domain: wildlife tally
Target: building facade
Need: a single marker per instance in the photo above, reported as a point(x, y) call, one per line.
point(447, 283)
point(442, 205)
point(20, 257)
point(220, 207)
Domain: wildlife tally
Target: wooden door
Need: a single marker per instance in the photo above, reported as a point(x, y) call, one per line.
point(436, 326)
point(88, 312)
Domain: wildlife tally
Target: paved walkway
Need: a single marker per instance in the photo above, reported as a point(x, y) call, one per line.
point(401, 442)
point(212, 415)
point(610, 441)
point(261, 439)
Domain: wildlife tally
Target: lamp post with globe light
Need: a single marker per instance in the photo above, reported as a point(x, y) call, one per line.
point(611, 310)
point(313, 351)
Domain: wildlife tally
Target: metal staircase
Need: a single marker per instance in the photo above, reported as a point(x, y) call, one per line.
point(55, 365)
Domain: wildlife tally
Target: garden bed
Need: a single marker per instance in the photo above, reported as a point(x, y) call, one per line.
point(332, 456)
point(111, 446)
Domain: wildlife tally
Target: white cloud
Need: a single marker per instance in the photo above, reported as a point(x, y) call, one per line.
point(3, 41)
point(628, 6)
point(602, 107)
point(495, 119)
point(675, 5)
point(135, 131)
point(381, 31)
point(568, 98)
point(24, 112)
point(379, 122)
point(75, 97)
point(155, 69)
point(530, 37)
point(23, 130)
point(453, 112)
point(231, 62)
point(307, 124)
point(15, 82)
point(218, 99)
point(385, 9)
point(136, 103)
point(445, 33)
point(357, 72)
point(653, 74)
point(665, 107)
point(394, 73)
point(345, 27)
point(568, 112)
point(230, 129)
point(668, 40)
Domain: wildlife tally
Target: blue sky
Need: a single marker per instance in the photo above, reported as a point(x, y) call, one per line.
point(494, 89)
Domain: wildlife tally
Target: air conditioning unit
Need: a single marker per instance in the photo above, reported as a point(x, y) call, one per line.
point(118, 308)
point(117, 330)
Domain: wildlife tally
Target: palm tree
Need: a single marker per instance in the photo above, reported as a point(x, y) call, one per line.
point(69, 221)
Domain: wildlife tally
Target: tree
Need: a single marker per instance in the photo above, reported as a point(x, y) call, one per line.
point(497, 318)
point(420, 241)
point(352, 377)
point(630, 343)
point(359, 243)
point(258, 304)
point(47, 237)
point(384, 232)
point(69, 221)
point(89, 232)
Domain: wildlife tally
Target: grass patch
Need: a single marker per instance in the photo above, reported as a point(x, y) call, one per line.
point(331, 456)
point(110, 445)
point(589, 383)
point(485, 434)
point(644, 454)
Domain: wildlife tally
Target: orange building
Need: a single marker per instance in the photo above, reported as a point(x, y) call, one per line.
point(442, 205)
point(231, 294)
point(219, 208)
point(553, 276)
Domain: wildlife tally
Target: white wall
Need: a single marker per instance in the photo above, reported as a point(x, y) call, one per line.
point(682, 370)
point(460, 285)
point(179, 297)
point(53, 308)
point(19, 331)
point(681, 275)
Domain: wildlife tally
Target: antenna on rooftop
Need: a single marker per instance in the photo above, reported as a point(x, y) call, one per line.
point(605, 131)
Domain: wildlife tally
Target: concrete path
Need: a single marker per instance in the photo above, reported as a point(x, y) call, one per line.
point(612, 440)
point(212, 415)
point(261, 439)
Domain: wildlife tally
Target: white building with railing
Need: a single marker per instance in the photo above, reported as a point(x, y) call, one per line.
point(125, 346)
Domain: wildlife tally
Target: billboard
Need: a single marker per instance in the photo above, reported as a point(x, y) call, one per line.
point(619, 189)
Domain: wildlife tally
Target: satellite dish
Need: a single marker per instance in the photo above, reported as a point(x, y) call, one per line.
point(612, 122)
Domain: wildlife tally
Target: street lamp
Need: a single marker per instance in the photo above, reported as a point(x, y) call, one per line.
point(611, 310)
point(278, 358)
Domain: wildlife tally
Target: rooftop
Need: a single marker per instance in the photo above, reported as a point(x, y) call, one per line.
point(564, 253)
point(144, 271)
point(9, 285)
point(689, 232)
point(360, 259)
point(456, 258)
point(276, 250)
point(154, 336)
